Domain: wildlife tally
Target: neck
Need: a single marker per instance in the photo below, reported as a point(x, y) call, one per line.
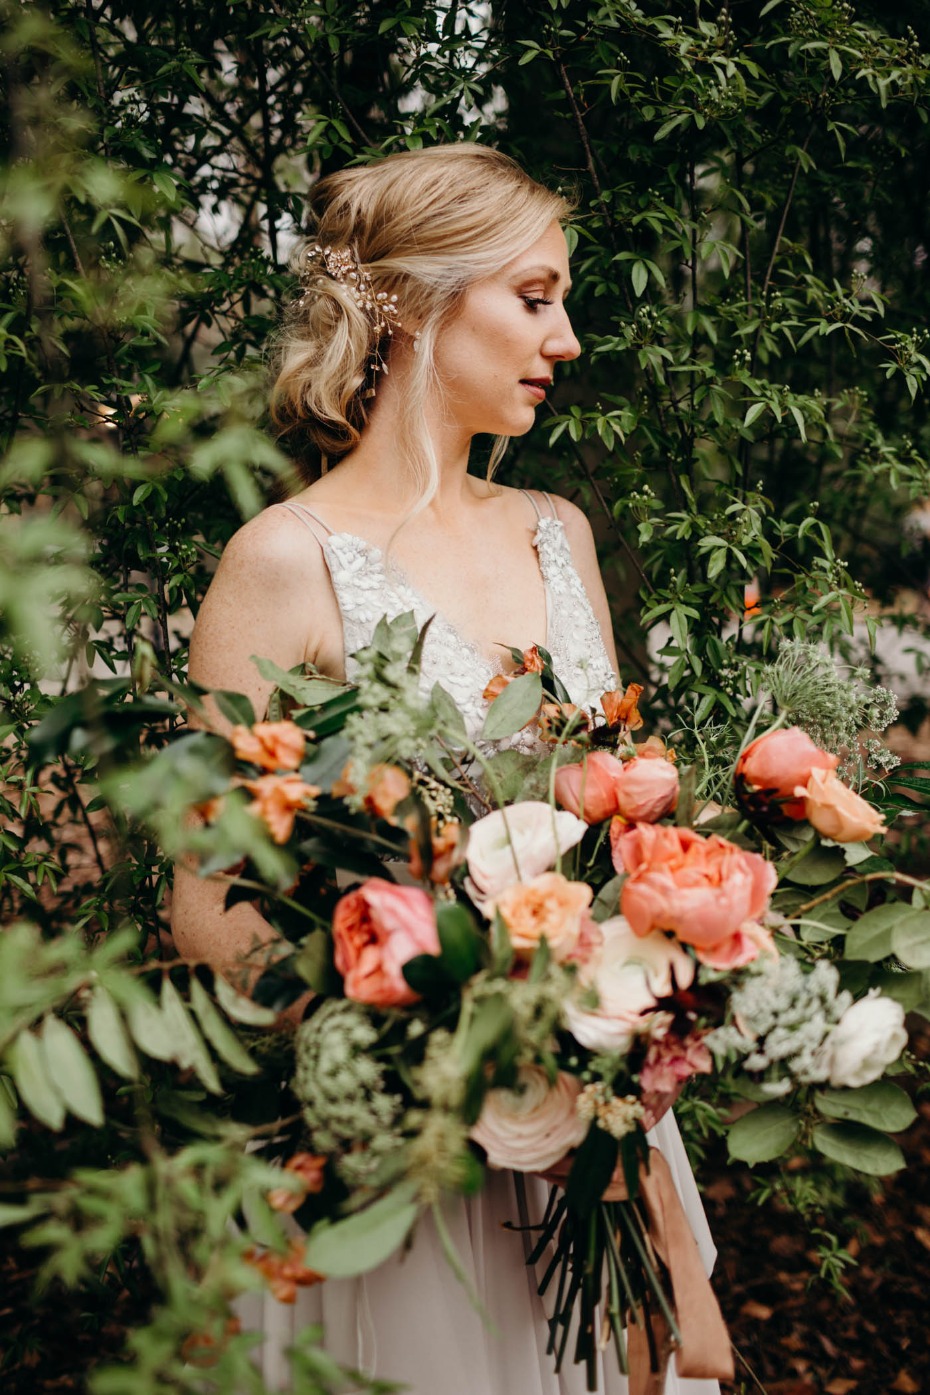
point(377, 467)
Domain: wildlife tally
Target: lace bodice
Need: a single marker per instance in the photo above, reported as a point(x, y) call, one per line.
point(367, 587)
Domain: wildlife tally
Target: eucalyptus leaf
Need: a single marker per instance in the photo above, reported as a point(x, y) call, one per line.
point(218, 1032)
point(871, 935)
point(512, 709)
point(763, 1134)
point(239, 1008)
point(190, 1050)
point(859, 1147)
point(364, 1240)
point(308, 692)
point(910, 940)
point(882, 1104)
point(149, 1030)
point(818, 868)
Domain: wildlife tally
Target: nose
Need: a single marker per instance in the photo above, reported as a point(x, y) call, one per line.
point(561, 343)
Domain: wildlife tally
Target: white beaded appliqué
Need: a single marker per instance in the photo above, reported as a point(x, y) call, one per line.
point(367, 588)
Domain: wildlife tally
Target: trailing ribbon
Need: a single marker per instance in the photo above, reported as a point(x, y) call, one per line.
point(705, 1343)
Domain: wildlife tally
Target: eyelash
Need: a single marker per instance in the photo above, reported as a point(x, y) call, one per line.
point(533, 302)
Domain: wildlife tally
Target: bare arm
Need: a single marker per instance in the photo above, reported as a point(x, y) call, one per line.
point(270, 598)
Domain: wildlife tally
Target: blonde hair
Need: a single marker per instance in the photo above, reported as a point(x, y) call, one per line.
point(424, 225)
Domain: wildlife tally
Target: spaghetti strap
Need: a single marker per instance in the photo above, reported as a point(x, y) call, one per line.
point(305, 515)
point(532, 501)
point(549, 501)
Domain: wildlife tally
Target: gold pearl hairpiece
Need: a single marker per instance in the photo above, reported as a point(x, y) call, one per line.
point(341, 264)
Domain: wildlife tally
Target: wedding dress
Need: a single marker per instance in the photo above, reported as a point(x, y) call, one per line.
point(411, 1320)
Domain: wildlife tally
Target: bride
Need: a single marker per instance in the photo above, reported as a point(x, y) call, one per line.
point(432, 310)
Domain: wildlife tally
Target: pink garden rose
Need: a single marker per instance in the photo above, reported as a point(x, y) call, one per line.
point(671, 1060)
point(705, 890)
point(589, 788)
point(647, 789)
point(515, 845)
point(836, 811)
point(628, 973)
point(377, 927)
point(778, 761)
point(532, 1127)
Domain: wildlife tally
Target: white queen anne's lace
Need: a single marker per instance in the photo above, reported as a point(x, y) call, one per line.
point(367, 588)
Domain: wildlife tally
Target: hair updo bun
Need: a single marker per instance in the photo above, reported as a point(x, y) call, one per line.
point(419, 225)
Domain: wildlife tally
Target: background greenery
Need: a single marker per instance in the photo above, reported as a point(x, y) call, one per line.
point(751, 289)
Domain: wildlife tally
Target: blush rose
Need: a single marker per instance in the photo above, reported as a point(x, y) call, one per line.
point(377, 928)
point(532, 1127)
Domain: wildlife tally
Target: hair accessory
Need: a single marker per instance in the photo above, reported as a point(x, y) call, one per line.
point(342, 264)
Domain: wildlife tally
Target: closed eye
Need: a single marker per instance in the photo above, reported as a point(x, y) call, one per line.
point(533, 302)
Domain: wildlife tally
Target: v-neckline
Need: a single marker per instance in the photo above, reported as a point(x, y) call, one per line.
point(395, 570)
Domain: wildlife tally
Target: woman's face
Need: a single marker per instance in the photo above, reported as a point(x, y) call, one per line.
point(496, 358)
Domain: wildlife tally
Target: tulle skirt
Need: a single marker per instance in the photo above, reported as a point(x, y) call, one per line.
point(411, 1319)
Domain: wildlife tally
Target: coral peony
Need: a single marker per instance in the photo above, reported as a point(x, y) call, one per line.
point(647, 789)
point(773, 764)
point(628, 973)
point(836, 811)
point(272, 745)
point(549, 907)
point(706, 890)
point(377, 927)
point(532, 1127)
point(277, 799)
point(589, 788)
point(517, 844)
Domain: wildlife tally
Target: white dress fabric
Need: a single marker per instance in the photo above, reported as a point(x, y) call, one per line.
point(411, 1320)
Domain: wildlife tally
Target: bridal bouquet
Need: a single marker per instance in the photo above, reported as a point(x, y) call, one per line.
point(520, 953)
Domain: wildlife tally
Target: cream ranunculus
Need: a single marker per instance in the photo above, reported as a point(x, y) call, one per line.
point(532, 1127)
point(628, 973)
point(517, 844)
point(867, 1038)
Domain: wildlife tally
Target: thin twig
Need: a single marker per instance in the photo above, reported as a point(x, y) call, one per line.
point(860, 881)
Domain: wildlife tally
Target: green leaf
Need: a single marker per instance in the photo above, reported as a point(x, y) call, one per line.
point(763, 1134)
point(7, 1116)
point(108, 1035)
point(149, 1030)
point(882, 1105)
point(14, 1214)
point(460, 942)
point(910, 940)
point(314, 963)
point(753, 411)
point(363, 1241)
point(72, 1072)
point(870, 936)
point(189, 1048)
point(241, 1009)
point(218, 1032)
point(512, 709)
point(36, 1087)
point(820, 866)
point(639, 277)
point(859, 1147)
point(607, 900)
point(591, 1170)
point(235, 707)
point(309, 692)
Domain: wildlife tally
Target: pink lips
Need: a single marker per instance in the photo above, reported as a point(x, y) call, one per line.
point(537, 386)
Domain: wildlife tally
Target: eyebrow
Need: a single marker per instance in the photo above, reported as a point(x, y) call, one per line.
point(548, 273)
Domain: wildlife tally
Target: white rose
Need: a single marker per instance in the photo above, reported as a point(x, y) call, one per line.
point(628, 972)
point(867, 1038)
point(532, 1127)
point(516, 844)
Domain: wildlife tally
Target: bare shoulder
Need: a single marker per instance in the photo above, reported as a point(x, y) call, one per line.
point(274, 548)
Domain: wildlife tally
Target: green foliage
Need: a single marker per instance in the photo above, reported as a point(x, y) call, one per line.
point(750, 290)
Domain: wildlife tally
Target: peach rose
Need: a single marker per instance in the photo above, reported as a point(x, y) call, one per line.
point(705, 890)
point(446, 854)
point(549, 907)
point(777, 761)
point(377, 927)
point(628, 972)
point(647, 789)
point(516, 844)
point(532, 1127)
point(272, 745)
point(277, 800)
point(589, 788)
point(836, 811)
